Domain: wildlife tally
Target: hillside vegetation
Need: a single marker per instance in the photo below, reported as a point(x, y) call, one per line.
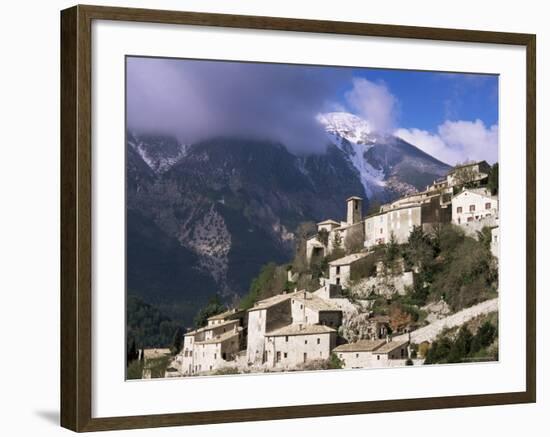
point(447, 265)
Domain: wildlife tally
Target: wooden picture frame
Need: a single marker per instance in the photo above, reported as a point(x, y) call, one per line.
point(76, 217)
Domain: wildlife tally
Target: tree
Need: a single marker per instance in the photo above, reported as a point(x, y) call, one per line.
point(420, 250)
point(439, 350)
point(134, 370)
point(485, 335)
point(322, 237)
point(461, 346)
point(399, 318)
point(147, 325)
point(213, 307)
point(177, 342)
point(132, 353)
point(337, 240)
point(335, 362)
point(304, 231)
point(465, 175)
point(271, 280)
point(492, 183)
point(485, 236)
point(391, 250)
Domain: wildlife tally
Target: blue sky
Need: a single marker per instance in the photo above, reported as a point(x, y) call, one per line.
point(452, 116)
point(428, 99)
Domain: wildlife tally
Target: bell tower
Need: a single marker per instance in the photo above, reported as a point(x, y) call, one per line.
point(355, 214)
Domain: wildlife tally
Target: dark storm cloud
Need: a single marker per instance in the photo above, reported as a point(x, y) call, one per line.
point(196, 100)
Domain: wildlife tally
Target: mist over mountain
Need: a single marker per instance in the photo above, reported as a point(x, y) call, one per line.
point(203, 218)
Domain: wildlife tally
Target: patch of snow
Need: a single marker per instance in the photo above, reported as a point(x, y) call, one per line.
point(159, 164)
point(354, 137)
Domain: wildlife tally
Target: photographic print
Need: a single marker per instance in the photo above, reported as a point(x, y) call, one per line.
point(284, 218)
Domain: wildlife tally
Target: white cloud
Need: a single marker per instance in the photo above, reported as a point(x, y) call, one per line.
point(375, 103)
point(473, 139)
point(456, 141)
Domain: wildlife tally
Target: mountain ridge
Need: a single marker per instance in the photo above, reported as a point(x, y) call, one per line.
point(235, 204)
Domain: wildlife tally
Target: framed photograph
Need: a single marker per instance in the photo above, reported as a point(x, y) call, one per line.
point(268, 218)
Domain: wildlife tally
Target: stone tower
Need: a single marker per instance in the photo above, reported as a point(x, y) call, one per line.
point(355, 214)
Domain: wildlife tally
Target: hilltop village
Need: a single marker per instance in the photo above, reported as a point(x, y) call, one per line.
point(337, 325)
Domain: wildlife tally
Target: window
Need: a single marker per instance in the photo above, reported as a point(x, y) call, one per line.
point(488, 205)
point(472, 208)
point(286, 338)
point(381, 231)
point(341, 355)
point(458, 209)
point(337, 270)
point(318, 341)
point(305, 341)
point(305, 357)
point(377, 357)
point(356, 355)
point(278, 356)
point(337, 281)
point(285, 355)
point(215, 356)
point(301, 307)
point(402, 352)
point(470, 219)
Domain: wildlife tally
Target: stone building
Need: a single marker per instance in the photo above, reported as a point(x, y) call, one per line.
point(265, 316)
point(388, 353)
point(345, 235)
point(475, 173)
point(289, 329)
point(210, 347)
point(372, 353)
point(426, 209)
point(340, 270)
point(232, 314)
point(309, 308)
point(297, 344)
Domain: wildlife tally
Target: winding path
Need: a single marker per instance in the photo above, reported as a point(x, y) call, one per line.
point(430, 332)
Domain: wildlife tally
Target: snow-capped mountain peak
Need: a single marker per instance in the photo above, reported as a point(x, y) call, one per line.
point(387, 165)
point(353, 135)
point(347, 126)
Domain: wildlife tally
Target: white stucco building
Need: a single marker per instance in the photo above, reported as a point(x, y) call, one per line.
point(471, 205)
point(398, 218)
